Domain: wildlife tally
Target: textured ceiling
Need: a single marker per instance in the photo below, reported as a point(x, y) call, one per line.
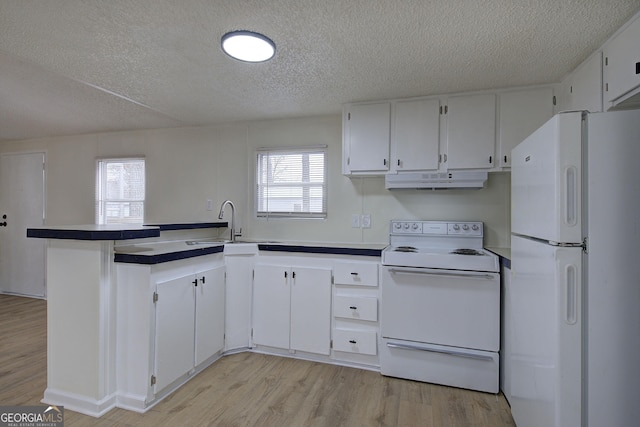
point(79, 66)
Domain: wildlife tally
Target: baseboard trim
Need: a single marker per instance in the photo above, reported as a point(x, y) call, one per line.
point(78, 403)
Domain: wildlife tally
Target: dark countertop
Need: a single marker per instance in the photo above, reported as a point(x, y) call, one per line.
point(504, 254)
point(362, 249)
point(114, 231)
point(159, 252)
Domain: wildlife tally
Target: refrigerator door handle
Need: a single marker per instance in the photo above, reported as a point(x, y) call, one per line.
point(571, 195)
point(572, 294)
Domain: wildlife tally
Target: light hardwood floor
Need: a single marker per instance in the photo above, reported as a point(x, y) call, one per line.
point(250, 389)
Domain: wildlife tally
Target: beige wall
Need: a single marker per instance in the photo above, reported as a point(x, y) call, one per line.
point(186, 166)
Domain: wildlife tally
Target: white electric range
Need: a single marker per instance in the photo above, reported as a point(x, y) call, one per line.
point(440, 306)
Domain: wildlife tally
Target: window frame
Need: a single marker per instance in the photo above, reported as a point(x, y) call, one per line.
point(294, 150)
point(100, 202)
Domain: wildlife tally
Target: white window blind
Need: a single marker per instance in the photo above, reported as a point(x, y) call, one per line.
point(120, 191)
point(291, 183)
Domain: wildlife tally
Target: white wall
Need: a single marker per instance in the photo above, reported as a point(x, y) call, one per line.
point(186, 166)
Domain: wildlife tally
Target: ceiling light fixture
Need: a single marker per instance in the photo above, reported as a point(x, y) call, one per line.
point(248, 46)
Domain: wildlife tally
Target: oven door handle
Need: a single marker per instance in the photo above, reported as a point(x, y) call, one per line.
point(433, 273)
point(438, 350)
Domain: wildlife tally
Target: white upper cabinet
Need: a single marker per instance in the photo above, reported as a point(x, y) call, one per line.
point(582, 90)
point(471, 132)
point(366, 137)
point(521, 113)
point(622, 65)
point(416, 135)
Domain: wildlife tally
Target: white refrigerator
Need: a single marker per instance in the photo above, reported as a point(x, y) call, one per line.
point(575, 284)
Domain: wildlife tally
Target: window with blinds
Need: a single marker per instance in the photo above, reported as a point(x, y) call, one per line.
point(291, 183)
point(120, 191)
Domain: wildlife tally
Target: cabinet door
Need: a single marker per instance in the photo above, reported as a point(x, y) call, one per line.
point(585, 88)
point(271, 305)
point(471, 132)
point(416, 135)
point(311, 310)
point(237, 323)
point(521, 113)
point(368, 133)
point(209, 313)
point(622, 63)
point(174, 330)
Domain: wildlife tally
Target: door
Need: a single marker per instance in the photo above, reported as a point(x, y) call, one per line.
point(271, 306)
point(546, 181)
point(452, 308)
point(175, 332)
point(368, 136)
point(521, 113)
point(210, 302)
point(311, 310)
point(471, 132)
point(416, 135)
point(546, 329)
point(22, 259)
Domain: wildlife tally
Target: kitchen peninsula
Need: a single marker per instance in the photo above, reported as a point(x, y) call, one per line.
point(133, 312)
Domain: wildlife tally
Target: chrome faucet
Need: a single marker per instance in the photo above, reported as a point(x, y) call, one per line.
point(232, 236)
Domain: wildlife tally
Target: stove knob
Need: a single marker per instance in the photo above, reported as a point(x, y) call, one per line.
point(456, 227)
point(397, 226)
point(465, 227)
point(405, 226)
point(414, 226)
point(475, 227)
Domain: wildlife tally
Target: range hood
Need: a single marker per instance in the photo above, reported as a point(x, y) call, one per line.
point(436, 180)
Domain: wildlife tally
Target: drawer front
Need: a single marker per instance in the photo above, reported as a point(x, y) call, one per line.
point(360, 308)
point(351, 341)
point(358, 274)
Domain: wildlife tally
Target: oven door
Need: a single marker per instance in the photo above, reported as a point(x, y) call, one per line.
point(443, 307)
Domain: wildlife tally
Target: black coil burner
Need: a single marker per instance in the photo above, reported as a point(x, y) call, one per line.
point(466, 252)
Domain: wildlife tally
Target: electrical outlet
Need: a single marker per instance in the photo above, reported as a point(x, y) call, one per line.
point(355, 221)
point(366, 221)
point(209, 204)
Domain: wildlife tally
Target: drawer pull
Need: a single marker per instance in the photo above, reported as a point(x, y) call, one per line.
point(353, 341)
point(353, 307)
point(354, 274)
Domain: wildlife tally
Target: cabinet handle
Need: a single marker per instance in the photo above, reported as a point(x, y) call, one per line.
point(202, 280)
point(399, 159)
point(353, 341)
point(353, 307)
point(354, 274)
point(505, 159)
point(637, 67)
point(285, 275)
point(445, 158)
point(385, 162)
point(293, 275)
point(195, 282)
point(490, 159)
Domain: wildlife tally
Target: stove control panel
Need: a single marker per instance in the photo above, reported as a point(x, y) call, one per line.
point(465, 229)
point(436, 228)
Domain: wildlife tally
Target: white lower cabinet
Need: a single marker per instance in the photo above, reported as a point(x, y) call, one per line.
point(291, 308)
point(189, 323)
point(170, 325)
point(355, 312)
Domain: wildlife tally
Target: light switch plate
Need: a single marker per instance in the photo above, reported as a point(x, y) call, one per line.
point(366, 221)
point(355, 221)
